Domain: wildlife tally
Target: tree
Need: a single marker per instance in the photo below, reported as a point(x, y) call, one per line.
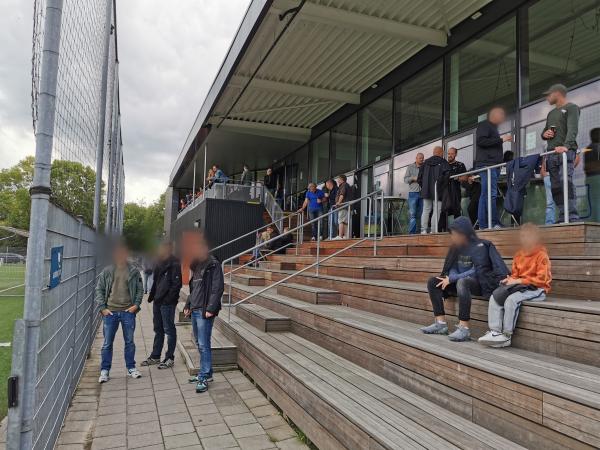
point(143, 225)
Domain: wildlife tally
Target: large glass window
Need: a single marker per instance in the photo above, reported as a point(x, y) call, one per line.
point(375, 125)
point(419, 108)
point(319, 151)
point(561, 45)
point(343, 148)
point(482, 74)
point(402, 161)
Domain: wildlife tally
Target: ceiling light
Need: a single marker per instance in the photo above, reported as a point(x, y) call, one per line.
point(477, 15)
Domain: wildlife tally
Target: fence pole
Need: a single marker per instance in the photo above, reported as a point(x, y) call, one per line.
point(74, 330)
point(205, 172)
point(318, 244)
point(40, 196)
point(103, 89)
point(434, 220)
point(489, 198)
point(565, 187)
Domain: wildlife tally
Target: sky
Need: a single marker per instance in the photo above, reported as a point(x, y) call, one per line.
point(169, 54)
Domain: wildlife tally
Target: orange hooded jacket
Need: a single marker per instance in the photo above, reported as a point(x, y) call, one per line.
point(533, 268)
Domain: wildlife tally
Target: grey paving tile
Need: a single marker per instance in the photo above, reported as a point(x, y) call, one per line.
point(133, 419)
point(177, 428)
point(206, 419)
point(217, 429)
point(219, 442)
point(118, 441)
point(272, 421)
point(181, 440)
point(110, 430)
point(261, 411)
point(251, 429)
point(134, 430)
point(292, 444)
point(239, 419)
point(150, 438)
point(141, 408)
point(174, 418)
point(261, 442)
point(281, 433)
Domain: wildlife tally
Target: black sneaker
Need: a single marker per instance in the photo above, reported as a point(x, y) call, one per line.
point(150, 362)
point(201, 386)
point(195, 379)
point(166, 364)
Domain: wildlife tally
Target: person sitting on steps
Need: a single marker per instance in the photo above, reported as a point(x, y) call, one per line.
point(529, 280)
point(472, 266)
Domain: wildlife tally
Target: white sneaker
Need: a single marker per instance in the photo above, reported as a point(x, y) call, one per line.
point(424, 232)
point(134, 373)
point(337, 238)
point(103, 376)
point(493, 338)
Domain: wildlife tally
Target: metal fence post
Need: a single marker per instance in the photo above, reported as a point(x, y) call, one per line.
point(102, 122)
point(318, 244)
point(40, 196)
point(489, 198)
point(566, 194)
point(434, 220)
point(74, 330)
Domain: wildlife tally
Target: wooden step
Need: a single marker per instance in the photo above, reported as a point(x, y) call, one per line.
point(224, 352)
point(337, 404)
point(262, 318)
point(248, 280)
point(537, 400)
point(566, 328)
point(277, 265)
point(310, 294)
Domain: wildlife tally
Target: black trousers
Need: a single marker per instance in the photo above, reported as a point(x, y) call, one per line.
point(163, 317)
point(463, 289)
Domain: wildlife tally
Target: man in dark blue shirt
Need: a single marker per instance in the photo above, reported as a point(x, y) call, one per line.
point(314, 202)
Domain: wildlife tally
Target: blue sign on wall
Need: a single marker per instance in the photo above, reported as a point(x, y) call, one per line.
point(56, 260)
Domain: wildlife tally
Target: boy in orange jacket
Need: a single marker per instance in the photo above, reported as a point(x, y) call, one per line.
point(529, 281)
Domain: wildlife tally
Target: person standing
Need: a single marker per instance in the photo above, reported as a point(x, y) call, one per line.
point(433, 173)
point(451, 202)
point(270, 181)
point(203, 305)
point(119, 293)
point(313, 201)
point(415, 202)
point(550, 205)
point(148, 267)
point(560, 133)
point(344, 195)
point(489, 152)
point(246, 177)
point(165, 296)
point(330, 195)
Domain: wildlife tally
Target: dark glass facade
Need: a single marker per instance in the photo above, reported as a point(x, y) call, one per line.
point(509, 64)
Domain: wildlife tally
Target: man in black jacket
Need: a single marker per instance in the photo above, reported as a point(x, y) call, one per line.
point(472, 266)
point(165, 295)
point(451, 200)
point(433, 171)
point(489, 152)
point(203, 305)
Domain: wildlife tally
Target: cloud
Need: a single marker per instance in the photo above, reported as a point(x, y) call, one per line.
point(169, 54)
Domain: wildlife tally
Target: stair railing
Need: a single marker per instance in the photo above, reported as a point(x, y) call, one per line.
point(374, 201)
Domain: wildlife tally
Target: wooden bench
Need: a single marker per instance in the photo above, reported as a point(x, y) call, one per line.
point(224, 352)
point(566, 328)
point(262, 318)
point(310, 294)
point(537, 400)
point(339, 405)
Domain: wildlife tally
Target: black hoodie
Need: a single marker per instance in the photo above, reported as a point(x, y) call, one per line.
point(206, 286)
point(489, 265)
point(167, 282)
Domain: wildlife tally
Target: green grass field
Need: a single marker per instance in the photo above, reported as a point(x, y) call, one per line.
point(11, 308)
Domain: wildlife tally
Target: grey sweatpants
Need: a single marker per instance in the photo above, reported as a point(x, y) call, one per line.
point(503, 319)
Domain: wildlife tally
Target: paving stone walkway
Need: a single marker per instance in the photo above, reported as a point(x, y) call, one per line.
point(161, 410)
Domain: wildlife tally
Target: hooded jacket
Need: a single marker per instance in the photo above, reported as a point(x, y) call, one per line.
point(433, 168)
point(206, 287)
point(167, 282)
point(489, 265)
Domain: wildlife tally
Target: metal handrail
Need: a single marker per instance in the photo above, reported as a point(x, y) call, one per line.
point(254, 261)
point(377, 195)
point(488, 169)
point(283, 280)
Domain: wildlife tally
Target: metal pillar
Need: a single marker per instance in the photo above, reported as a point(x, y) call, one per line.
point(565, 180)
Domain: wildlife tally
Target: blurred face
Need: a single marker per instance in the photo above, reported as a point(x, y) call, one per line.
point(529, 238)
point(312, 187)
point(554, 97)
point(451, 154)
point(339, 181)
point(329, 185)
point(270, 230)
point(201, 250)
point(497, 116)
point(420, 158)
point(269, 171)
point(458, 239)
point(164, 251)
point(120, 255)
point(438, 151)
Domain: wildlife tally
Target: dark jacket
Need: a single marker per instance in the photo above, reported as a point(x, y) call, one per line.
point(281, 241)
point(167, 282)
point(433, 168)
point(518, 173)
point(270, 181)
point(452, 196)
point(489, 265)
point(206, 287)
point(488, 150)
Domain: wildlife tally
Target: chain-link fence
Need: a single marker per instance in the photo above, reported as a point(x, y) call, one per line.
point(77, 191)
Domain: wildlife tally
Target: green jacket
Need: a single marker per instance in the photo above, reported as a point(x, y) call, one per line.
point(105, 282)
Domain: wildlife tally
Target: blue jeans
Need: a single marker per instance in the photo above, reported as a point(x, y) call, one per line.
point(332, 224)
point(482, 211)
point(163, 317)
point(202, 329)
point(415, 209)
point(550, 205)
point(110, 327)
point(554, 166)
point(315, 225)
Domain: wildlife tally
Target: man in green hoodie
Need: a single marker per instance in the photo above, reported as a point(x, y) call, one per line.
point(119, 293)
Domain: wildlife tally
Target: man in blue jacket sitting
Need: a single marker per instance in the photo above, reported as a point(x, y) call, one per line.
point(472, 266)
